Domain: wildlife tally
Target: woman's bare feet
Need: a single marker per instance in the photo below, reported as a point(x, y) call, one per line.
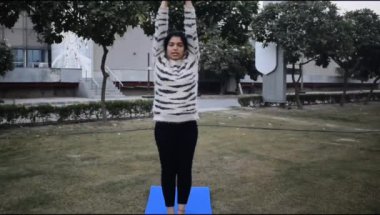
point(170, 210)
point(181, 208)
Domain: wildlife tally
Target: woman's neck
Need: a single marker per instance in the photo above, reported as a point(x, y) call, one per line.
point(175, 62)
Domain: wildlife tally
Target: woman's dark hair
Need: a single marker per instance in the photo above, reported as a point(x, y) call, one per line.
point(179, 34)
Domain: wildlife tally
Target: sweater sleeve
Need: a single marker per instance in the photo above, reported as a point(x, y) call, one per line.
point(190, 26)
point(161, 30)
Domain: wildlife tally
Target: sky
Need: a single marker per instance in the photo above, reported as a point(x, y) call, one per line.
point(354, 5)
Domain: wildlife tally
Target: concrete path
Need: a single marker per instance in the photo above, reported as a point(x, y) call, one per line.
point(205, 103)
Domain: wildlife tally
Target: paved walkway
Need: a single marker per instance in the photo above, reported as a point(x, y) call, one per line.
point(206, 103)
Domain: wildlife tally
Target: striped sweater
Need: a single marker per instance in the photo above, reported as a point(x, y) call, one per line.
point(175, 82)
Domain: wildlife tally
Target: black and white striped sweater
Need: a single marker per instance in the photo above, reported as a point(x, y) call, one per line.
point(176, 82)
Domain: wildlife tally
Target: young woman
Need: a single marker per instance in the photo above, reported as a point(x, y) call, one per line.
point(175, 103)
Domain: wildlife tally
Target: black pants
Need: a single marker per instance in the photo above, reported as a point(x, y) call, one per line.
point(176, 145)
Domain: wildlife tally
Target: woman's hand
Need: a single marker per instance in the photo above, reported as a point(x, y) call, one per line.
point(189, 4)
point(164, 4)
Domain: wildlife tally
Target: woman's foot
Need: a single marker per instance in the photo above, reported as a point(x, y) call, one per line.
point(170, 210)
point(181, 209)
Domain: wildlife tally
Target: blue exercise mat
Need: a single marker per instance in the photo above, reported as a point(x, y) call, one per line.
point(199, 201)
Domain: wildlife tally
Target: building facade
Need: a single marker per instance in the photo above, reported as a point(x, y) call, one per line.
point(72, 68)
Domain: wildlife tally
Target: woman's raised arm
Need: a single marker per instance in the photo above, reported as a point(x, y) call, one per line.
point(161, 28)
point(190, 26)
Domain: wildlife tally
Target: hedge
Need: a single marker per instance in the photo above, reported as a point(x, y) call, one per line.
point(255, 100)
point(20, 114)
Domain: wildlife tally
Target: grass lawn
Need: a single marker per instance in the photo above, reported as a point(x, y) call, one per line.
point(250, 168)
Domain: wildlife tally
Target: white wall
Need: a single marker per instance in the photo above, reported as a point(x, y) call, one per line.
point(128, 57)
point(22, 34)
point(312, 69)
point(27, 75)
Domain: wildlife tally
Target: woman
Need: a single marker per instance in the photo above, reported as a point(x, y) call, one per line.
point(175, 103)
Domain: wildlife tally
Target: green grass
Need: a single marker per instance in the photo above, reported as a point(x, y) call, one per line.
point(109, 168)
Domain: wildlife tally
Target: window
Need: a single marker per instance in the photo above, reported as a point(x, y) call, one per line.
point(35, 56)
point(18, 57)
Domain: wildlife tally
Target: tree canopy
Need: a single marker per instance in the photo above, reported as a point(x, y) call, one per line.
point(10, 12)
point(358, 32)
point(231, 18)
point(299, 27)
point(314, 30)
point(221, 60)
point(99, 21)
point(224, 32)
point(6, 58)
point(358, 35)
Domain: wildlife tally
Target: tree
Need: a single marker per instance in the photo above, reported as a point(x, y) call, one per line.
point(99, 21)
point(300, 28)
point(6, 58)
point(51, 18)
point(9, 14)
point(223, 30)
point(357, 35)
point(232, 18)
point(221, 60)
point(369, 67)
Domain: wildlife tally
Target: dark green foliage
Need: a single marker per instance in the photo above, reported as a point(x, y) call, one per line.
point(301, 28)
point(314, 30)
point(250, 100)
point(223, 34)
point(232, 18)
point(358, 36)
point(10, 12)
point(6, 59)
point(15, 114)
point(99, 21)
point(221, 60)
point(314, 98)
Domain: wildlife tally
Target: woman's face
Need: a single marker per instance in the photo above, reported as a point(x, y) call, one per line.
point(175, 49)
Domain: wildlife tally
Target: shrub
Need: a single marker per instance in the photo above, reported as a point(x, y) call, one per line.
point(311, 98)
point(248, 100)
point(13, 114)
point(6, 58)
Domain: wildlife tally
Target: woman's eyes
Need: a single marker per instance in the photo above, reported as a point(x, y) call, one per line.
point(179, 44)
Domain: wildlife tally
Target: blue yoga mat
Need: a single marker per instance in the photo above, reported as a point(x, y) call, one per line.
point(199, 201)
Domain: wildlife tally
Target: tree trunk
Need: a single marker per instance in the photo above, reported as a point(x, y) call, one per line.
point(372, 88)
point(296, 87)
point(222, 87)
point(345, 83)
point(347, 72)
point(301, 77)
point(104, 83)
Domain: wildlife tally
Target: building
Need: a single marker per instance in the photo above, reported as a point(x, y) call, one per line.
point(72, 68)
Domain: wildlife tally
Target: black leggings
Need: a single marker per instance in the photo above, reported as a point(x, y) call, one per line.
point(176, 145)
